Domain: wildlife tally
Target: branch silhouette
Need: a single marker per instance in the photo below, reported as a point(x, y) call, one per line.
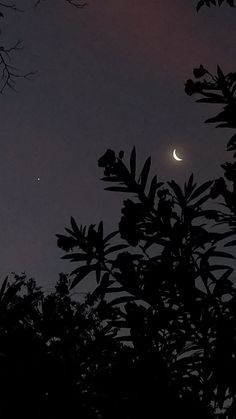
point(76, 3)
point(9, 74)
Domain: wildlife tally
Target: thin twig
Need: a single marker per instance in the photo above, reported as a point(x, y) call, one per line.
point(74, 3)
point(11, 6)
point(8, 72)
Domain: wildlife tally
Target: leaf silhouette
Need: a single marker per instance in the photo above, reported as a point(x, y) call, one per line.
point(231, 243)
point(178, 193)
point(3, 287)
point(201, 189)
point(144, 173)
point(133, 163)
point(115, 248)
point(118, 189)
point(110, 236)
point(81, 273)
point(76, 257)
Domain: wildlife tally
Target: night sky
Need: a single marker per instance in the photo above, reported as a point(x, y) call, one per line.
point(109, 76)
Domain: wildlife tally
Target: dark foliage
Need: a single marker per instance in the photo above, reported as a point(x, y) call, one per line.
point(171, 286)
point(220, 89)
point(51, 349)
point(216, 89)
point(210, 3)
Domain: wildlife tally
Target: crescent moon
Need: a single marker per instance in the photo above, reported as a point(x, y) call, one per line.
point(175, 156)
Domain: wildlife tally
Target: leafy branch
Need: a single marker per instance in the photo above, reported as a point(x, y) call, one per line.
point(219, 89)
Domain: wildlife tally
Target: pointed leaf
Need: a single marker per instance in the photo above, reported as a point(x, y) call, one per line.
point(200, 4)
point(98, 272)
point(76, 257)
point(71, 232)
point(178, 193)
point(231, 243)
point(144, 173)
point(202, 188)
point(106, 279)
point(110, 179)
point(219, 99)
point(188, 187)
point(115, 248)
point(231, 142)
point(118, 189)
point(100, 230)
point(110, 290)
point(153, 188)
point(133, 163)
point(216, 253)
point(74, 226)
point(3, 287)
point(12, 291)
point(218, 267)
point(220, 73)
point(201, 201)
point(110, 236)
point(81, 273)
point(122, 300)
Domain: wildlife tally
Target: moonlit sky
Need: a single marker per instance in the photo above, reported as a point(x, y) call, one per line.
point(109, 76)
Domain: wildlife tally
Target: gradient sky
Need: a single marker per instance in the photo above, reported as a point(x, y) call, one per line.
point(109, 76)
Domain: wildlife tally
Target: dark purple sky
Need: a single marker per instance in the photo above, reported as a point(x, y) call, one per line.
point(110, 76)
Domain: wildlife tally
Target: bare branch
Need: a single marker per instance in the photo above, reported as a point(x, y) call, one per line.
point(75, 3)
point(11, 6)
point(9, 73)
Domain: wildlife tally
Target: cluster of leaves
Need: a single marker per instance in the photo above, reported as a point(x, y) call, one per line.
point(173, 294)
point(216, 89)
point(58, 358)
point(210, 3)
point(219, 89)
point(51, 349)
